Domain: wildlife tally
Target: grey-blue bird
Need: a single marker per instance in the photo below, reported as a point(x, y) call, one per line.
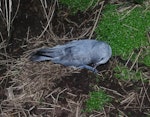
point(77, 53)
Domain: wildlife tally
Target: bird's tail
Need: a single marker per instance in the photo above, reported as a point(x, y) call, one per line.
point(44, 54)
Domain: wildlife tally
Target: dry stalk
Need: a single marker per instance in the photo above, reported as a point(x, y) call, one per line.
point(97, 19)
point(56, 101)
point(49, 18)
point(129, 59)
point(123, 114)
point(6, 13)
point(77, 114)
point(124, 9)
point(90, 4)
point(84, 33)
point(130, 27)
point(148, 36)
point(128, 100)
point(111, 90)
point(136, 59)
point(127, 13)
point(145, 94)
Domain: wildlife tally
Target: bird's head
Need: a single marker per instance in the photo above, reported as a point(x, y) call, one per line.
point(103, 54)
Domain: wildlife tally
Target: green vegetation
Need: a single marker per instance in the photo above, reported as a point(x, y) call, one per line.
point(123, 73)
point(78, 5)
point(139, 1)
point(146, 60)
point(97, 101)
point(125, 31)
point(145, 56)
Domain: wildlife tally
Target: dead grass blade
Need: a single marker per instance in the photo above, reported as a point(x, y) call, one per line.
point(97, 19)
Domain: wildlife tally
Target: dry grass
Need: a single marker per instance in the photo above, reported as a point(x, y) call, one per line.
point(30, 82)
point(31, 85)
point(8, 14)
point(34, 89)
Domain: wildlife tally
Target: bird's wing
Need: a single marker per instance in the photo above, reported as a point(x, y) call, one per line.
point(74, 55)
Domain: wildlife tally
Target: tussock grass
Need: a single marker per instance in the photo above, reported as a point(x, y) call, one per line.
point(8, 14)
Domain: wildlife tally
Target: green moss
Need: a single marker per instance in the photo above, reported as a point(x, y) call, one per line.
point(97, 101)
point(145, 56)
point(123, 73)
point(146, 60)
point(124, 31)
point(138, 1)
point(78, 5)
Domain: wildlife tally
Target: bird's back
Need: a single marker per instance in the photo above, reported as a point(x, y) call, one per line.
point(75, 53)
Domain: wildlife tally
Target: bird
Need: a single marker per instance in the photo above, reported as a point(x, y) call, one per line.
point(77, 53)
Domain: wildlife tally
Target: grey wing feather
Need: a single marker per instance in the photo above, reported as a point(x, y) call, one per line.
point(72, 57)
point(46, 54)
point(78, 53)
point(56, 54)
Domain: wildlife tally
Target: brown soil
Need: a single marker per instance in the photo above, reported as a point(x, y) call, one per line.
point(50, 90)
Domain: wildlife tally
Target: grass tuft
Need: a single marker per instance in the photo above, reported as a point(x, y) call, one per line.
point(126, 30)
point(97, 101)
point(122, 72)
point(79, 5)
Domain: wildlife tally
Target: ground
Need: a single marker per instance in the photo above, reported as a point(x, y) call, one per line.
point(50, 90)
